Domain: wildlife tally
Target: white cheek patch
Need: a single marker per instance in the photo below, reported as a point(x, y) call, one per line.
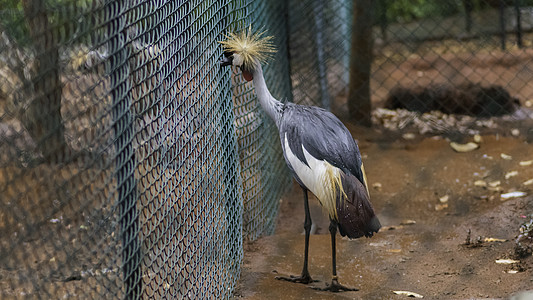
point(313, 176)
point(237, 60)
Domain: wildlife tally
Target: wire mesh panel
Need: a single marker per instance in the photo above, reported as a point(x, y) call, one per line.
point(60, 220)
point(475, 46)
point(188, 172)
point(119, 170)
point(320, 49)
point(263, 170)
point(467, 60)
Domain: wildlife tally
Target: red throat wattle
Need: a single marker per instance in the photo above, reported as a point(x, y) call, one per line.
point(247, 75)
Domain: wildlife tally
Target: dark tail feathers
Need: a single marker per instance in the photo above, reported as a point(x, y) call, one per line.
point(355, 214)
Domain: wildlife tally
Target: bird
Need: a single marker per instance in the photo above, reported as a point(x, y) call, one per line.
point(318, 149)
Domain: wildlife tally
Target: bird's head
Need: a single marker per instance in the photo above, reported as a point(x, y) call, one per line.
point(246, 50)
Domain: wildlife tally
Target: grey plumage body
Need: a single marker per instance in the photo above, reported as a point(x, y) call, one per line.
point(325, 138)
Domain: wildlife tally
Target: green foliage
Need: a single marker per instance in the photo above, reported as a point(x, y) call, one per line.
point(12, 20)
point(409, 10)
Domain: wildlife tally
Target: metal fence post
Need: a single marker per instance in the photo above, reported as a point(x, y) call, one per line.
point(502, 23)
point(318, 16)
point(124, 132)
point(518, 24)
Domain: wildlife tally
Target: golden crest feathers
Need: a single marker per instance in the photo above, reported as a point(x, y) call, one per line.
point(250, 46)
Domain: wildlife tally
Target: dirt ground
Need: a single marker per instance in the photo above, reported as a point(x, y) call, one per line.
point(427, 200)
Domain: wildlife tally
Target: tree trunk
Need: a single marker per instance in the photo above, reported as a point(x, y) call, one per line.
point(469, 7)
point(42, 118)
point(359, 105)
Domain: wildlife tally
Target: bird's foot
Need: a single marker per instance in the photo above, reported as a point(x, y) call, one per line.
point(336, 287)
point(304, 278)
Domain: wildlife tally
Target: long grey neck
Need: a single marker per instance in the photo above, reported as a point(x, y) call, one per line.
point(270, 105)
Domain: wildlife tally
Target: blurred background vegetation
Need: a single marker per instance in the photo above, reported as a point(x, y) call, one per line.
point(59, 13)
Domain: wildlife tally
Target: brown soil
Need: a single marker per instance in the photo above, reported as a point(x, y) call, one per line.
point(430, 257)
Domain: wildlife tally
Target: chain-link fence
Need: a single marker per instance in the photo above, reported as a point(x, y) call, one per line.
point(132, 165)
point(437, 66)
point(130, 159)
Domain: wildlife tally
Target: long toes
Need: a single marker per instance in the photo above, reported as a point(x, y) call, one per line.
point(335, 287)
point(296, 279)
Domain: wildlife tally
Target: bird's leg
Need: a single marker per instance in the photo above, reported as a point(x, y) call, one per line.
point(305, 278)
point(335, 286)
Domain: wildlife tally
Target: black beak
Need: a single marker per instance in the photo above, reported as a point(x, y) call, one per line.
point(226, 61)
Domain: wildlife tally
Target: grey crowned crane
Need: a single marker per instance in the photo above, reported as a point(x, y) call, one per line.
point(318, 149)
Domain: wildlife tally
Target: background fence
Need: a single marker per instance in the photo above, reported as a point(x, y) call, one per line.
point(132, 165)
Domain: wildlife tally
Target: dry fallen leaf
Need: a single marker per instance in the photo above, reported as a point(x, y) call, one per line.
point(511, 174)
point(379, 244)
point(512, 271)
point(495, 189)
point(505, 156)
point(481, 183)
point(444, 199)
point(477, 138)
point(393, 227)
point(409, 136)
point(408, 294)
point(512, 195)
point(526, 163)
point(408, 222)
point(394, 250)
point(494, 183)
point(376, 185)
point(528, 182)
point(464, 147)
point(507, 261)
point(439, 207)
point(489, 240)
